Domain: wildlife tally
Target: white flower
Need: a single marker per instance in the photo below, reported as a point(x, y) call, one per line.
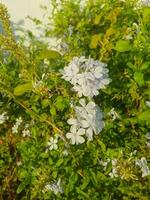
point(26, 132)
point(15, 129)
point(52, 144)
point(148, 135)
point(88, 117)
point(148, 144)
point(55, 187)
point(76, 136)
point(16, 125)
point(19, 121)
point(92, 115)
point(70, 72)
point(3, 117)
point(86, 75)
point(148, 103)
point(142, 163)
point(145, 2)
point(114, 172)
point(46, 61)
point(76, 123)
point(104, 163)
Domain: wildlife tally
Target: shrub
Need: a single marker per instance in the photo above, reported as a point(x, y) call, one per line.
point(61, 139)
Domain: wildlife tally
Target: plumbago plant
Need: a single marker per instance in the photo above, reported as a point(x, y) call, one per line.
point(74, 122)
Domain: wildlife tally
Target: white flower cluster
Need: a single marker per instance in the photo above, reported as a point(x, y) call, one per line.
point(17, 124)
point(55, 187)
point(88, 121)
point(3, 117)
point(142, 163)
point(86, 75)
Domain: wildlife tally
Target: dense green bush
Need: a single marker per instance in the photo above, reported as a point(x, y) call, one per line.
point(37, 159)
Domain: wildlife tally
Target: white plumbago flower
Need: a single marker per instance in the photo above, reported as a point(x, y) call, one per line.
point(128, 37)
point(114, 172)
point(104, 163)
point(16, 125)
point(142, 163)
point(3, 117)
point(19, 121)
point(19, 163)
point(15, 129)
point(52, 144)
point(92, 115)
point(148, 135)
point(148, 103)
point(76, 135)
point(46, 61)
point(55, 187)
point(148, 144)
point(26, 132)
point(112, 113)
point(86, 75)
point(145, 2)
point(65, 152)
point(88, 118)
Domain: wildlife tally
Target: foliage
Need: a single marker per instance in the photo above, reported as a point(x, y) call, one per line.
point(37, 161)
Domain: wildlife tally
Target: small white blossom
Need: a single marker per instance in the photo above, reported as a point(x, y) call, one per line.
point(26, 132)
point(76, 136)
point(145, 2)
point(114, 172)
point(16, 125)
point(65, 152)
point(86, 75)
point(148, 135)
point(148, 144)
point(55, 187)
point(46, 61)
point(52, 144)
point(142, 163)
point(19, 121)
point(3, 117)
point(104, 163)
point(148, 103)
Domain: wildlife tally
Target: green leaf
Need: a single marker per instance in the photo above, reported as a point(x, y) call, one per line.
point(103, 147)
point(61, 103)
point(122, 46)
point(59, 162)
point(49, 54)
point(82, 193)
point(97, 19)
point(93, 178)
point(145, 66)
point(22, 186)
point(53, 111)
point(94, 41)
point(45, 103)
point(145, 116)
point(21, 89)
point(138, 77)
